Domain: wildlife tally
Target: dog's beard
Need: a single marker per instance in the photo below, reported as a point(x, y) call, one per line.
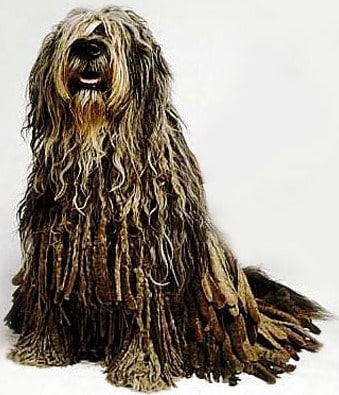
point(82, 147)
point(89, 112)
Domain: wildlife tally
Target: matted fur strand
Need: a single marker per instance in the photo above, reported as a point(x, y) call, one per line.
point(121, 263)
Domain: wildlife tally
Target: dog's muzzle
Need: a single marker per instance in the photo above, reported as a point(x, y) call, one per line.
point(92, 55)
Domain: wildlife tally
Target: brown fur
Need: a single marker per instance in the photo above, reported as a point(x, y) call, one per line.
point(120, 260)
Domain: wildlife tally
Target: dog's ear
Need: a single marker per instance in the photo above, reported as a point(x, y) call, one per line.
point(159, 76)
point(149, 74)
point(40, 86)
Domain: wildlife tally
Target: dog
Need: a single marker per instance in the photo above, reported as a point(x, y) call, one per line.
point(121, 263)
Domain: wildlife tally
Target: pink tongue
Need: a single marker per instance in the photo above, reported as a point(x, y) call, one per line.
point(89, 81)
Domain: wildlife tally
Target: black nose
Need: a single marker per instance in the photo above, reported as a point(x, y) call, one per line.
point(87, 49)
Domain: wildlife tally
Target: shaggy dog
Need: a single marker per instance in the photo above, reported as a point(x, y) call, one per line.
point(121, 263)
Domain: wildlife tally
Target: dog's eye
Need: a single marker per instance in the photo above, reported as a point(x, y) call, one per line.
point(100, 30)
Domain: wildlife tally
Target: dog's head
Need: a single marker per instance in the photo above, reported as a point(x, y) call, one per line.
point(102, 62)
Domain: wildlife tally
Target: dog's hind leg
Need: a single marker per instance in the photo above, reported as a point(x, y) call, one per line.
point(226, 339)
point(244, 322)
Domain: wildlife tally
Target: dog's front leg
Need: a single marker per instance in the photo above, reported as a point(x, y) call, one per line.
point(44, 329)
point(139, 365)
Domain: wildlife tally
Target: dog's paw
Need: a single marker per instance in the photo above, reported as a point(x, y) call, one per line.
point(138, 370)
point(36, 350)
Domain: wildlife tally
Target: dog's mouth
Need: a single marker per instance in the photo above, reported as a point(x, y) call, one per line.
point(89, 79)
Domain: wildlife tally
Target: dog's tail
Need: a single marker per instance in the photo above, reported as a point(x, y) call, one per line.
point(273, 297)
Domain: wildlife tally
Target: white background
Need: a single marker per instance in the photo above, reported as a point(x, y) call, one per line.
point(257, 83)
